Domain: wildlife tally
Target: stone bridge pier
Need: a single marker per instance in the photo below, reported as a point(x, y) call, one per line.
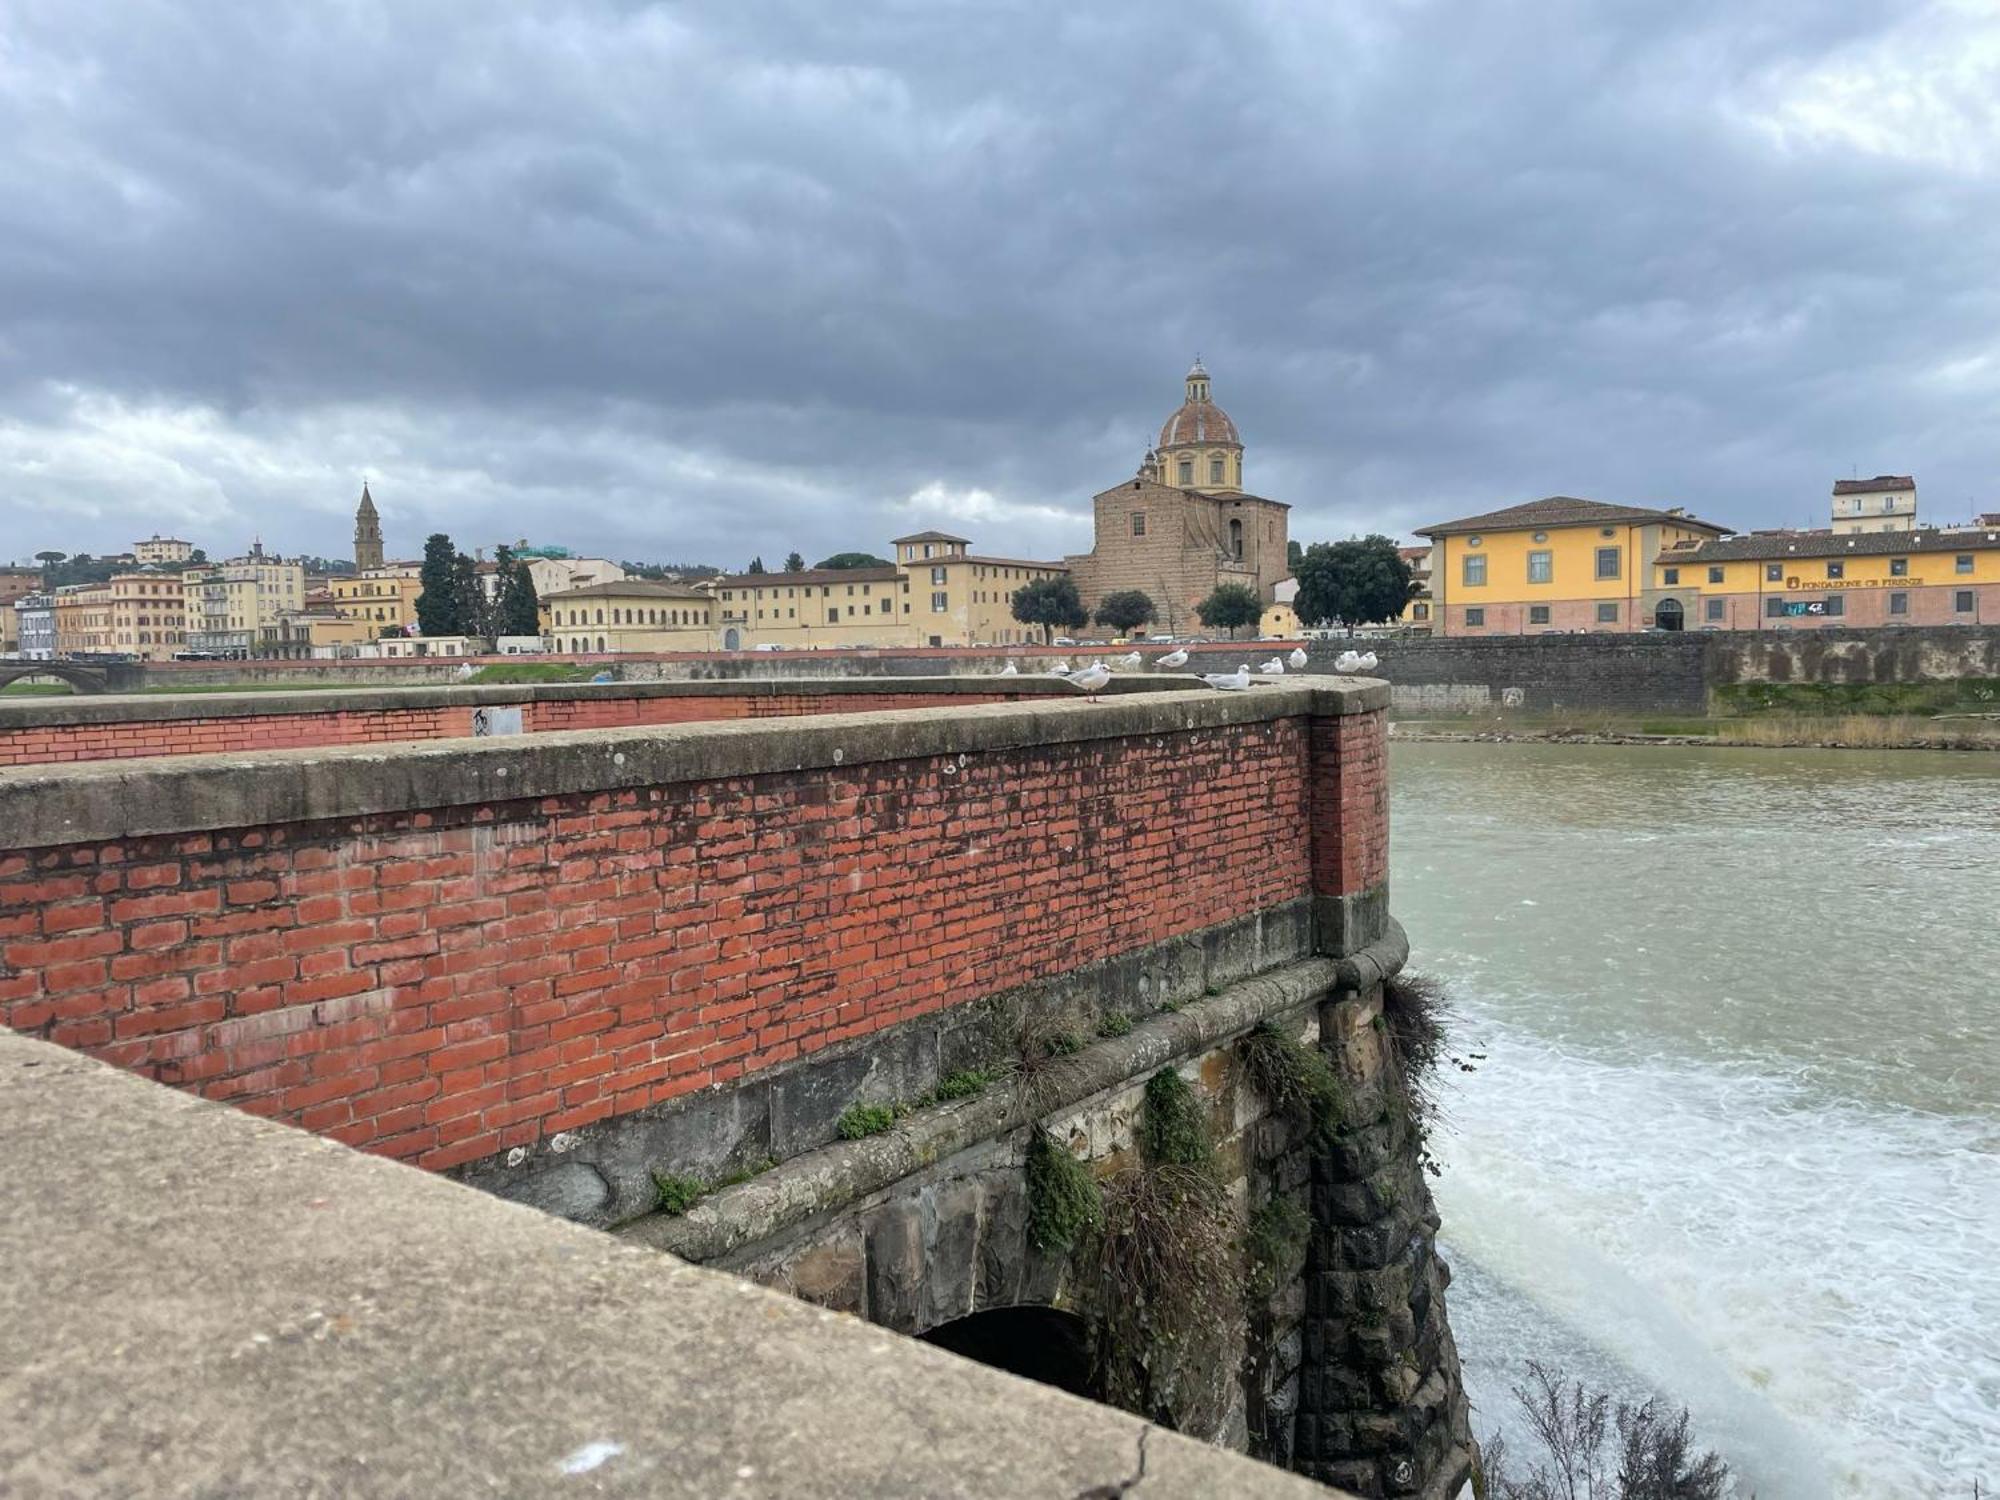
point(1061, 1034)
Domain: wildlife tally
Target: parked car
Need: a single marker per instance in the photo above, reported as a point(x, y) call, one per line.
point(1063, 640)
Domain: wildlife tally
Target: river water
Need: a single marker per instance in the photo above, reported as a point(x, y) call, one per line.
point(1736, 1133)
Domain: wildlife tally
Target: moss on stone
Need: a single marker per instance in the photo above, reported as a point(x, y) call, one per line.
point(862, 1120)
point(961, 1085)
point(1173, 1130)
point(1115, 1024)
point(1064, 1204)
point(678, 1194)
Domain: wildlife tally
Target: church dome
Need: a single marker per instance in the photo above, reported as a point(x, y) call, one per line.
point(1199, 419)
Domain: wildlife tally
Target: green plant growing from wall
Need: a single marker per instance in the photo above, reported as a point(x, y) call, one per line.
point(1418, 1017)
point(678, 1194)
point(1064, 1204)
point(861, 1120)
point(1274, 1247)
point(1173, 1130)
point(1296, 1079)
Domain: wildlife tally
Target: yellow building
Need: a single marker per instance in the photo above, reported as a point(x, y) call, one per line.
point(818, 608)
point(959, 598)
point(631, 614)
point(130, 614)
point(1559, 564)
point(385, 598)
point(1811, 580)
point(236, 607)
point(163, 549)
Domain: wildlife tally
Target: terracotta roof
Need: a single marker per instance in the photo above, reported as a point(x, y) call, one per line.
point(1199, 422)
point(810, 575)
point(1565, 510)
point(643, 588)
point(1874, 486)
point(928, 536)
point(1768, 546)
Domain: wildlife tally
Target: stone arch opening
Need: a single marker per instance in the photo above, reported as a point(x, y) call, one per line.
point(1670, 615)
point(1043, 1344)
point(80, 679)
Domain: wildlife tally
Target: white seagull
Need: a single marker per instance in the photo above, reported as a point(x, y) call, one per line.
point(1230, 682)
point(1092, 678)
point(1010, 670)
point(1297, 658)
point(1131, 660)
point(1275, 667)
point(1347, 663)
point(466, 672)
point(1174, 658)
point(1369, 662)
point(1060, 669)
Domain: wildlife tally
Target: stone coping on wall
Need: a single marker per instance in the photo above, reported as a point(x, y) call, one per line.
point(126, 708)
point(53, 806)
point(200, 1301)
point(839, 1173)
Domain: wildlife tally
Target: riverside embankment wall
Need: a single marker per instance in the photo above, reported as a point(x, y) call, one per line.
point(54, 730)
point(443, 950)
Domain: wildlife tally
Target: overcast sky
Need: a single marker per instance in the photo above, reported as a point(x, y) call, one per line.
point(697, 281)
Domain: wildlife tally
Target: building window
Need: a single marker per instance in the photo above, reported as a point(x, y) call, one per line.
point(1715, 575)
point(1420, 611)
point(1138, 523)
point(1836, 570)
point(1608, 562)
point(1607, 614)
point(1670, 577)
point(1961, 601)
point(1475, 617)
point(1538, 614)
point(1836, 604)
point(938, 604)
point(1187, 471)
point(1236, 540)
point(1541, 567)
point(1215, 470)
point(1475, 572)
point(1899, 567)
point(1713, 608)
point(1962, 563)
point(1899, 604)
point(1774, 572)
point(937, 578)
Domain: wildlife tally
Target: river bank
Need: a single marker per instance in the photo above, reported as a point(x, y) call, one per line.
point(1771, 732)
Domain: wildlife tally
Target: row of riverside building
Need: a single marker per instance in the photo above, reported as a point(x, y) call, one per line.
point(1563, 565)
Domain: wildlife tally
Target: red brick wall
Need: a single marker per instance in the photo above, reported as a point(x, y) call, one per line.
point(438, 986)
point(316, 727)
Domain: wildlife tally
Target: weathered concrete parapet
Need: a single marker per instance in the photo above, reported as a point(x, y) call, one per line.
point(197, 1301)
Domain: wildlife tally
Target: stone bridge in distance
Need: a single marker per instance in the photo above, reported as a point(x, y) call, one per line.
point(1059, 1033)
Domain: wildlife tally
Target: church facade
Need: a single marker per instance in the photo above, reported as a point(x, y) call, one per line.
point(1184, 525)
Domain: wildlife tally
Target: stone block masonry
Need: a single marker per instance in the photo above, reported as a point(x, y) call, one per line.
point(443, 951)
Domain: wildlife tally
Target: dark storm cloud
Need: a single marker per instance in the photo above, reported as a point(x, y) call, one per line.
point(702, 280)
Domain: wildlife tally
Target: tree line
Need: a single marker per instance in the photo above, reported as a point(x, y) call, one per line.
point(454, 602)
point(1361, 581)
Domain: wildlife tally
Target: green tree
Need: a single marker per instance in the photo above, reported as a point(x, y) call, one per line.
point(517, 611)
point(1293, 552)
point(199, 555)
point(1230, 606)
point(1125, 610)
point(1361, 581)
point(1050, 603)
point(49, 559)
point(437, 605)
point(794, 563)
point(469, 602)
point(756, 564)
point(854, 560)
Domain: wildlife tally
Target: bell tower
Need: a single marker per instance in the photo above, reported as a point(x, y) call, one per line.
point(367, 532)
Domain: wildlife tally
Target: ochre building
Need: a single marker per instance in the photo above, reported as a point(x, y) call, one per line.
point(1559, 564)
point(631, 614)
point(1807, 580)
point(1184, 525)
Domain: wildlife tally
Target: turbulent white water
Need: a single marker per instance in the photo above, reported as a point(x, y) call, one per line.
point(1736, 1137)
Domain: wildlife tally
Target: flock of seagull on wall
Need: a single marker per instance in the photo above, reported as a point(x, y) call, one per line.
point(1095, 676)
